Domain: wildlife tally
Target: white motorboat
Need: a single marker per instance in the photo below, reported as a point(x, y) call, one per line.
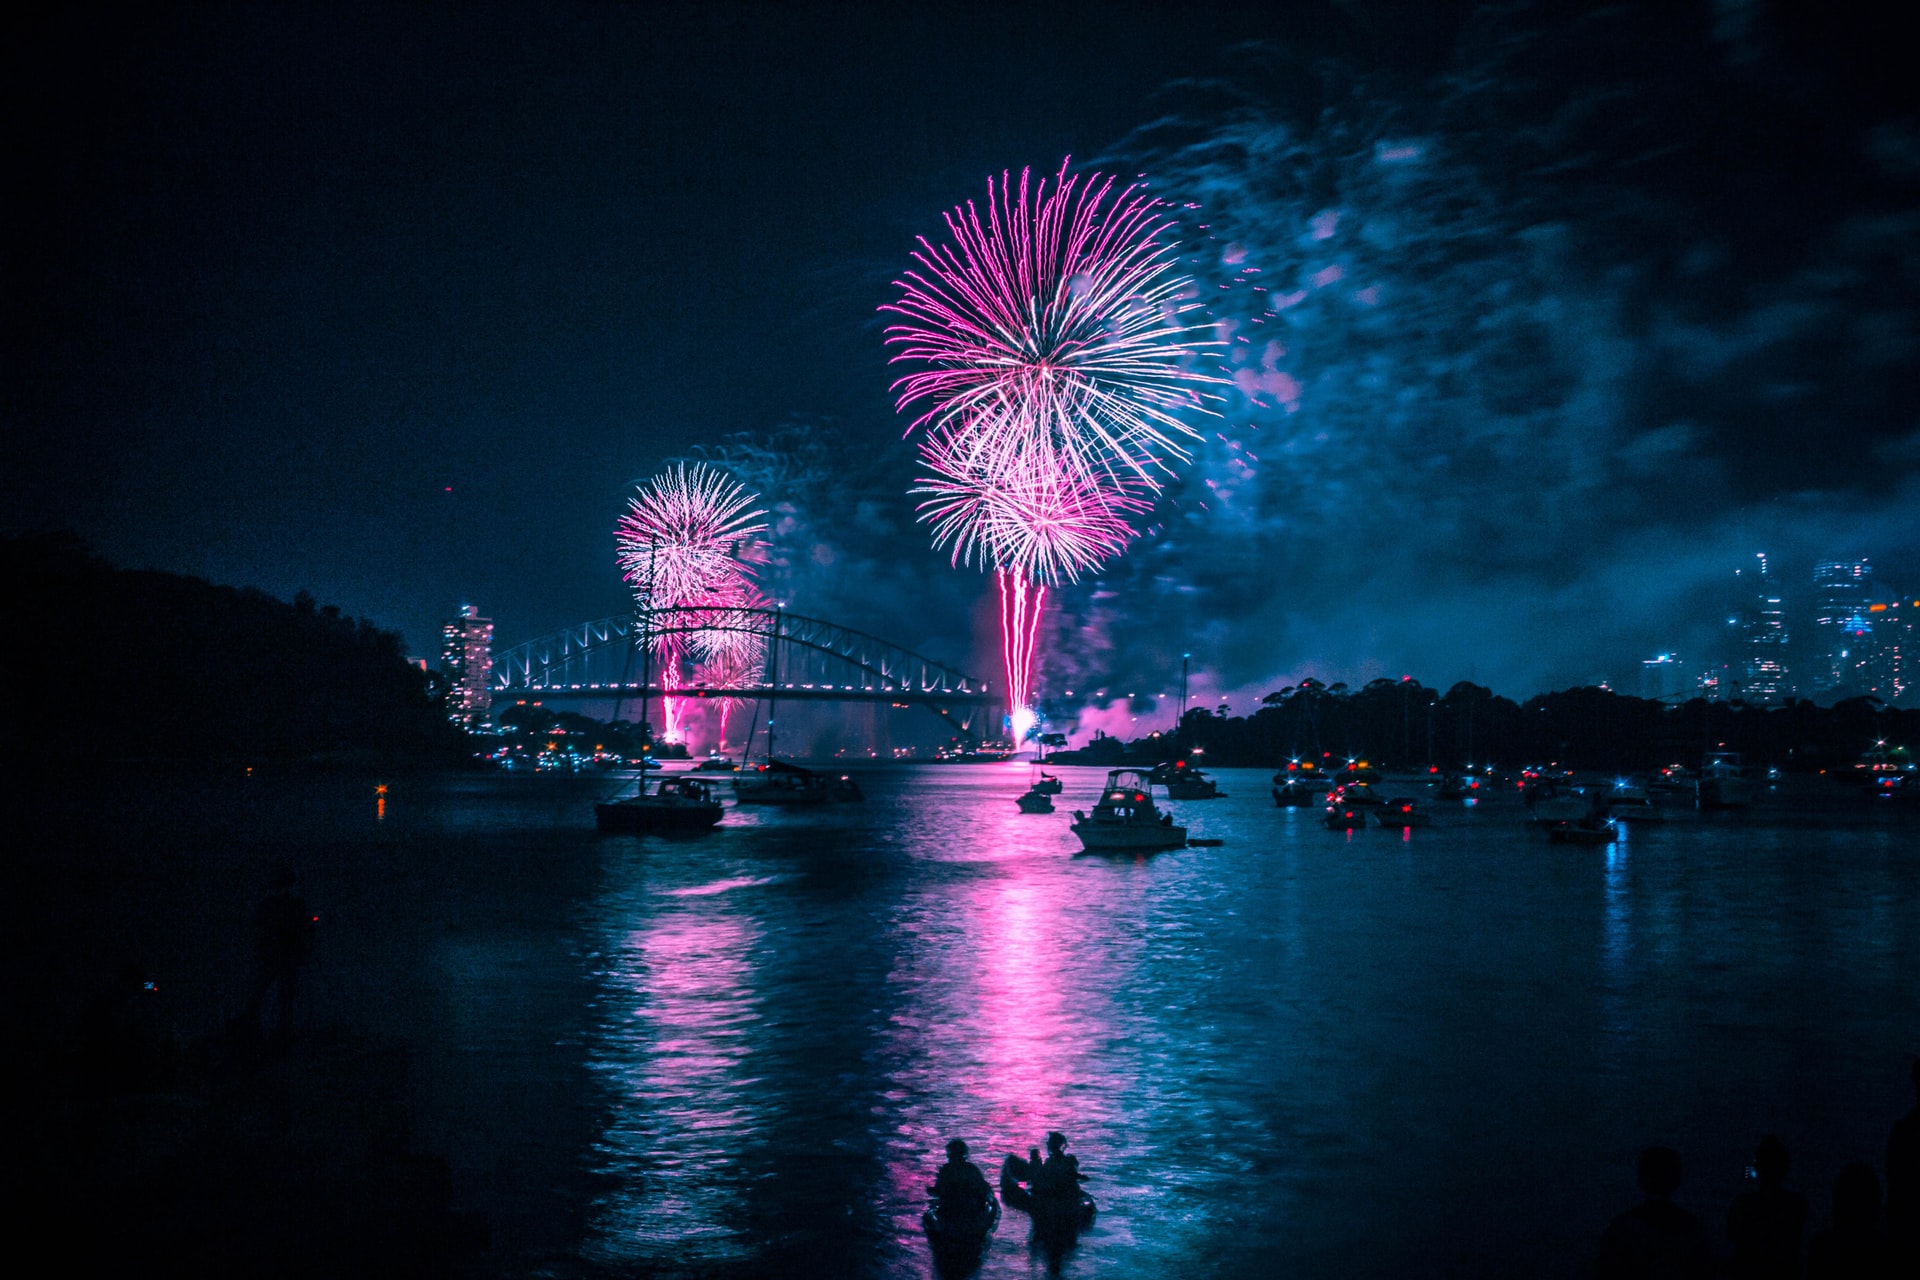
point(1723, 784)
point(1633, 804)
point(1125, 819)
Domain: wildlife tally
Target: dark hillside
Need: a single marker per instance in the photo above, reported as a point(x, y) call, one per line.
point(112, 664)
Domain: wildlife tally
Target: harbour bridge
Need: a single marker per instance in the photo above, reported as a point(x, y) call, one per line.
point(806, 659)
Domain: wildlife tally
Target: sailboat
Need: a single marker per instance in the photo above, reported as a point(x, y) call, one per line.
point(778, 782)
point(669, 804)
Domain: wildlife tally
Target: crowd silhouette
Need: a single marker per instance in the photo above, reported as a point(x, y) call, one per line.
point(1868, 1237)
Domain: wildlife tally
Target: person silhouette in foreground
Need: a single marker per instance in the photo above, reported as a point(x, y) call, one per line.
point(960, 1187)
point(283, 929)
point(1856, 1247)
point(1656, 1238)
point(1766, 1222)
point(1059, 1175)
point(1903, 1182)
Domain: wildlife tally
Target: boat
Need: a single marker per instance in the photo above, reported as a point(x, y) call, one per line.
point(1355, 794)
point(958, 1237)
point(1185, 781)
point(1722, 784)
point(1675, 779)
point(1046, 784)
point(1341, 817)
point(777, 782)
point(673, 804)
point(1125, 820)
point(1633, 804)
point(1451, 787)
point(1061, 1215)
point(1547, 806)
point(1036, 801)
point(1401, 812)
point(1299, 793)
point(1586, 831)
point(1303, 770)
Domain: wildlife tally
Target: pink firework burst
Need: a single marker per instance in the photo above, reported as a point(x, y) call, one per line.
point(1028, 511)
point(689, 539)
point(689, 533)
point(1057, 351)
point(1060, 316)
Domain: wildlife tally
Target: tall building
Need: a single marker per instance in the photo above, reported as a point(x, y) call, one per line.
point(466, 655)
point(1893, 660)
point(1842, 640)
point(1662, 676)
point(1759, 620)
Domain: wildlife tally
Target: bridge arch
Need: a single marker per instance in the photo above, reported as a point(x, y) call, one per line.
point(809, 658)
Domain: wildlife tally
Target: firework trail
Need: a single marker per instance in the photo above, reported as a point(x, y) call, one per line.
point(1058, 347)
point(690, 539)
point(731, 669)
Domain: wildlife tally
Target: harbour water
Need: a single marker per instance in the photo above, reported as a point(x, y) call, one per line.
point(1301, 1052)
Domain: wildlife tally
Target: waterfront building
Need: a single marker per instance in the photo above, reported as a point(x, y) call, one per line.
point(1842, 642)
point(1759, 621)
point(466, 655)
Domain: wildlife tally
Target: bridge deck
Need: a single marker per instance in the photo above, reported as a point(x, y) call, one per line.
point(785, 692)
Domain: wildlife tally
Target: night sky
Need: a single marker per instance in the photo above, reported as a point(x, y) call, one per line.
point(1567, 310)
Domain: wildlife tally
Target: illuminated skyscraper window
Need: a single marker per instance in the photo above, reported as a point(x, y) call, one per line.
point(1842, 627)
point(466, 655)
point(1760, 624)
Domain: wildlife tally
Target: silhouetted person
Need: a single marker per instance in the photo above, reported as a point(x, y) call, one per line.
point(1060, 1175)
point(960, 1187)
point(1903, 1183)
point(1766, 1222)
point(1656, 1238)
point(283, 929)
point(1856, 1247)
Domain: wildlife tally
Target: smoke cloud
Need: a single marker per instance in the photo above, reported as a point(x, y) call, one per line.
point(1529, 355)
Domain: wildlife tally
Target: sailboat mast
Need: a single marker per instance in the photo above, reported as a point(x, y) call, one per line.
point(646, 659)
point(773, 694)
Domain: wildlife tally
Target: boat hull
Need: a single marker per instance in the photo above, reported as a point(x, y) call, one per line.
point(1050, 1214)
point(1102, 837)
point(626, 817)
point(1580, 835)
point(762, 793)
point(1397, 820)
point(1035, 802)
point(959, 1237)
point(1725, 793)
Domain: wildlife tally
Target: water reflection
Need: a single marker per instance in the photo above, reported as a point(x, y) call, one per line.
point(680, 1010)
point(1616, 940)
point(1260, 1051)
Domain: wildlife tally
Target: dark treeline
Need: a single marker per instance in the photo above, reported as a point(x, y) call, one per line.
point(1403, 724)
point(117, 664)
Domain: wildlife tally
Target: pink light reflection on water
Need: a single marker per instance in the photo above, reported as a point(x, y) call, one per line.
point(1007, 998)
point(682, 1009)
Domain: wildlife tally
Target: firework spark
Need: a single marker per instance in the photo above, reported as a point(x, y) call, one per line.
point(1025, 511)
point(1059, 350)
point(690, 539)
point(689, 532)
point(1062, 314)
